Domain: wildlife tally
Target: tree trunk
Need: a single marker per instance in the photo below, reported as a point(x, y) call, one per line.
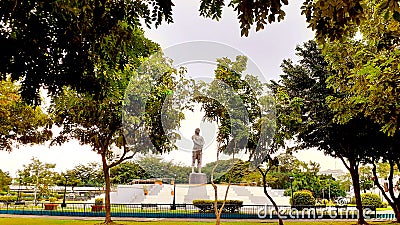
point(264, 176)
point(108, 189)
point(393, 201)
point(274, 204)
point(397, 212)
point(218, 219)
point(353, 169)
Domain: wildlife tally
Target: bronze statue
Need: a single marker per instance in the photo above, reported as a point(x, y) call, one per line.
point(198, 143)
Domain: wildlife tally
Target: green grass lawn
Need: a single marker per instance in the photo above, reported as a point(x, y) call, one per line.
point(50, 221)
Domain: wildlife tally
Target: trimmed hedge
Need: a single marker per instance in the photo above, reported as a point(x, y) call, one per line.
point(231, 206)
point(99, 201)
point(370, 199)
point(302, 198)
point(8, 198)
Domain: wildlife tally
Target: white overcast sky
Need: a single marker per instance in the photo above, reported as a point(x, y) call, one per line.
point(265, 49)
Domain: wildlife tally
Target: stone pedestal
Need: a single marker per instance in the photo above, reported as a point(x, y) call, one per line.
point(197, 178)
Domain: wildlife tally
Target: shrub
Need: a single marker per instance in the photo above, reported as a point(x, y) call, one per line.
point(23, 194)
point(8, 198)
point(353, 201)
point(29, 198)
point(324, 202)
point(52, 199)
point(98, 201)
point(370, 199)
point(302, 198)
point(57, 196)
point(208, 205)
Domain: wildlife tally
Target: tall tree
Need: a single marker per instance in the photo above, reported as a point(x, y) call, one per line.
point(388, 153)
point(40, 175)
point(312, 120)
point(365, 67)
point(112, 124)
point(242, 109)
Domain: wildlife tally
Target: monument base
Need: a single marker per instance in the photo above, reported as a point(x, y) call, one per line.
point(197, 178)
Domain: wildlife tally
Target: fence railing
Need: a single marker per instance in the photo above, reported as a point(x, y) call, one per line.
point(154, 210)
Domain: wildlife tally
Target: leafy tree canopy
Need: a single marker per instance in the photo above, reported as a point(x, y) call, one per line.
point(157, 167)
point(19, 122)
point(38, 174)
point(57, 43)
point(365, 69)
point(124, 116)
point(5, 180)
point(301, 95)
point(126, 172)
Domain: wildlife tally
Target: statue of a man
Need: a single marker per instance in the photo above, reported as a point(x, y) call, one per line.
point(198, 143)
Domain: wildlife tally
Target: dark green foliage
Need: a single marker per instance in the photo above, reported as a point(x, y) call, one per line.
point(127, 172)
point(157, 167)
point(40, 175)
point(235, 173)
point(89, 175)
point(371, 199)
point(242, 108)
point(61, 42)
point(232, 206)
point(302, 99)
point(222, 168)
point(302, 198)
point(5, 180)
point(316, 183)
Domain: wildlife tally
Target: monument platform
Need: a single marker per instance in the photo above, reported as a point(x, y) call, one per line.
point(197, 178)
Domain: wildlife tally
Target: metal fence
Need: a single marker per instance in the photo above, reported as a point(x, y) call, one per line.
point(186, 211)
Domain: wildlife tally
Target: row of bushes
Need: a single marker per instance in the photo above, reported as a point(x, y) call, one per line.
point(231, 206)
point(23, 194)
point(305, 198)
point(13, 198)
point(6, 193)
point(6, 198)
